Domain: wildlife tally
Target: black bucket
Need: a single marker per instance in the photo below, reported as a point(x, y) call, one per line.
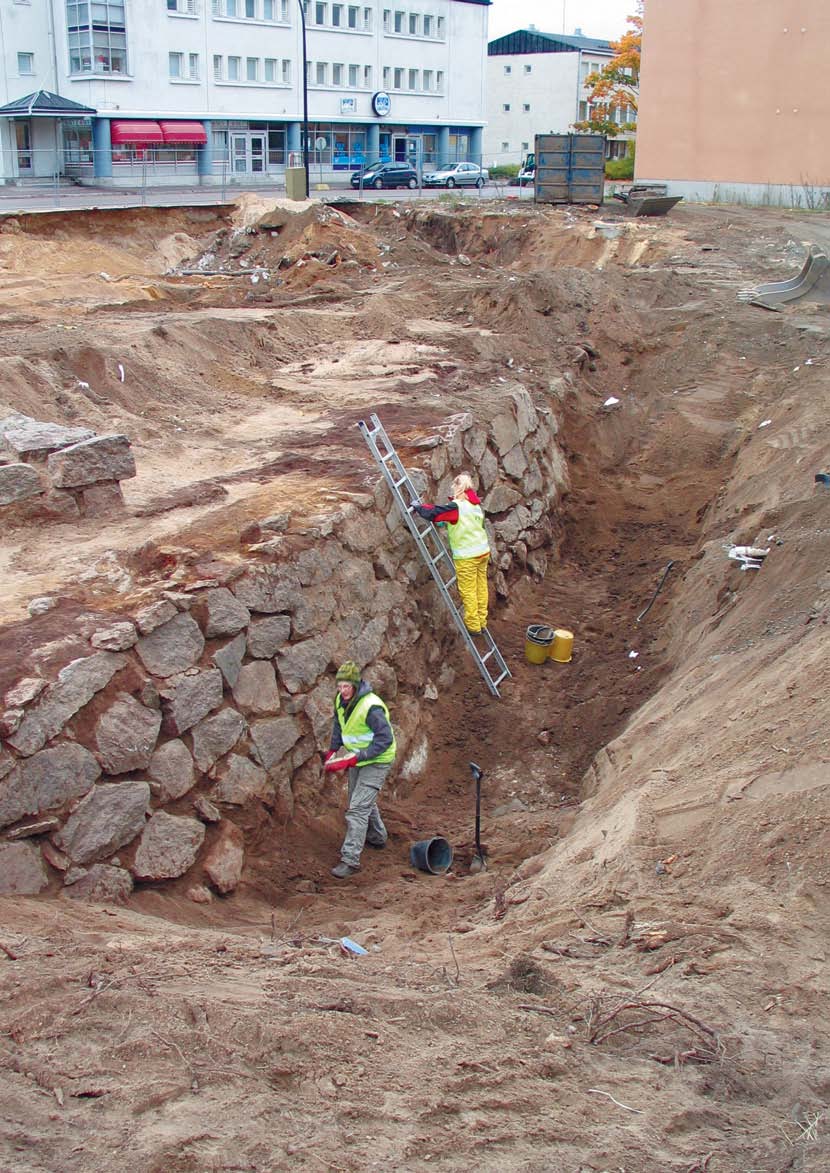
point(431, 855)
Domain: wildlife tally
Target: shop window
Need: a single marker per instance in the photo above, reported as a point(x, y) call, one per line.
point(25, 63)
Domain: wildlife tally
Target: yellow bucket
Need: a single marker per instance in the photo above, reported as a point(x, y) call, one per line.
point(562, 647)
point(538, 643)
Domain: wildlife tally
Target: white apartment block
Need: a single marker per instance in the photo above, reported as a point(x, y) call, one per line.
point(212, 90)
point(536, 85)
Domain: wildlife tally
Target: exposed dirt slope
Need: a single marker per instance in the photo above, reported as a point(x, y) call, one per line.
point(655, 825)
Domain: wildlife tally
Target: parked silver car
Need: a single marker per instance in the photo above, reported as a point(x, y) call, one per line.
point(457, 175)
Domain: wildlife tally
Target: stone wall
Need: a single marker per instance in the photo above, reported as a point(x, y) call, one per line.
point(129, 766)
point(51, 472)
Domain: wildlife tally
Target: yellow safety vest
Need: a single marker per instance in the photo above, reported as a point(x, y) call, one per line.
point(356, 733)
point(468, 538)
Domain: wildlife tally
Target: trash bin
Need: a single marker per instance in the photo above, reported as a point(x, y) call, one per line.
point(538, 642)
point(295, 188)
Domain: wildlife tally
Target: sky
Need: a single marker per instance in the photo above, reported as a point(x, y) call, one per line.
point(596, 18)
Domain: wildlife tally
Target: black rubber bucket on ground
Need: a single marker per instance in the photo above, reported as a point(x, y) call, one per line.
point(431, 855)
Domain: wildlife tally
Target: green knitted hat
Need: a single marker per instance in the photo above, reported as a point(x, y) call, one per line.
point(348, 673)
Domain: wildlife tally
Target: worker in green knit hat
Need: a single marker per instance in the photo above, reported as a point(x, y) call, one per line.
point(362, 742)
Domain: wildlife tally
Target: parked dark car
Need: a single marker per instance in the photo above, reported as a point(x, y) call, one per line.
point(380, 175)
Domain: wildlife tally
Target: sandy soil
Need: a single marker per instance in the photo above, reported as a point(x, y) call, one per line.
point(638, 980)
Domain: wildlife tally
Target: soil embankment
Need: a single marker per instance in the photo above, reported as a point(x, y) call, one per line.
point(638, 979)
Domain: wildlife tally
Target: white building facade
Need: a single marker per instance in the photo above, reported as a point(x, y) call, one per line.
point(536, 85)
point(214, 88)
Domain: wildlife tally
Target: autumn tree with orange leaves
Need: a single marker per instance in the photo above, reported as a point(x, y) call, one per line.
point(616, 86)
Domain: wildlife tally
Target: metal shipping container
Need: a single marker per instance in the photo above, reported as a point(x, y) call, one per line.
point(570, 168)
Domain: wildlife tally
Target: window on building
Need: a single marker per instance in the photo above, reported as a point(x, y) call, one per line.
point(185, 7)
point(525, 146)
point(583, 111)
point(439, 81)
point(25, 63)
point(283, 9)
point(508, 69)
point(231, 8)
point(528, 69)
point(353, 16)
point(217, 67)
point(399, 17)
point(387, 20)
point(270, 69)
point(428, 25)
point(322, 73)
point(398, 82)
point(506, 107)
point(413, 79)
point(526, 107)
point(250, 9)
point(353, 75)
point(367, 76)
point(337, 16)
point(441, 26)
point(97, 36)
point(251, 69)
point(413, 24)
point(321, 13)
point(386, 77)
point(505, 146)
point(268, 10)
point(367, 19)
point(193, 66)
point(427, 79)
point(234, 64)
point(337, 75)
point(286, 71)
point(175, 64)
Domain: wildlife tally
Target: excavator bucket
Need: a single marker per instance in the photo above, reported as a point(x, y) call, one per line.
point(814, 279)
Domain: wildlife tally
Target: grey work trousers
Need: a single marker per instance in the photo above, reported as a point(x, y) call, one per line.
point(363, 821)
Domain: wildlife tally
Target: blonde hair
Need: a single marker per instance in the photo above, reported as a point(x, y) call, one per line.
point(461, 483)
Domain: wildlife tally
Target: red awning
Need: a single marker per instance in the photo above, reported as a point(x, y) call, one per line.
point(183, 132)
point(136, 134)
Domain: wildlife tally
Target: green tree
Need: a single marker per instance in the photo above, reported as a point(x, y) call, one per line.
point(616, 86)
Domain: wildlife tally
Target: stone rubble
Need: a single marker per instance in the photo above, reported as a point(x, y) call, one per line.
point(218, 694)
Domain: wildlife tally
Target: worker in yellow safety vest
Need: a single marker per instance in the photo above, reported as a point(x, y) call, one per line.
point(362, 742)
point(464, 519)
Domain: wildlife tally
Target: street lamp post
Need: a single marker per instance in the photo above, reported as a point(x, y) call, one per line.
point(305, 101)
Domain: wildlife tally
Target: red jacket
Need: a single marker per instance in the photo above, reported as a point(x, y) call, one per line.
point(448, 512)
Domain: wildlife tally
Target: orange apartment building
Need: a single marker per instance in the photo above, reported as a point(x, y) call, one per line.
point(734, 100)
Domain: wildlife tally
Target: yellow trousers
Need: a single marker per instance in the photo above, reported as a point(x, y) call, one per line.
point(471, 574)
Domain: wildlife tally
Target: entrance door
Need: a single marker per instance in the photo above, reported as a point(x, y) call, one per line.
point(408, 148)
point(23, 140)
point(248, 154)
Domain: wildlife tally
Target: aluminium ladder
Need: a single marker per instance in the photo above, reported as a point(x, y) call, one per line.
point(490, 663)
